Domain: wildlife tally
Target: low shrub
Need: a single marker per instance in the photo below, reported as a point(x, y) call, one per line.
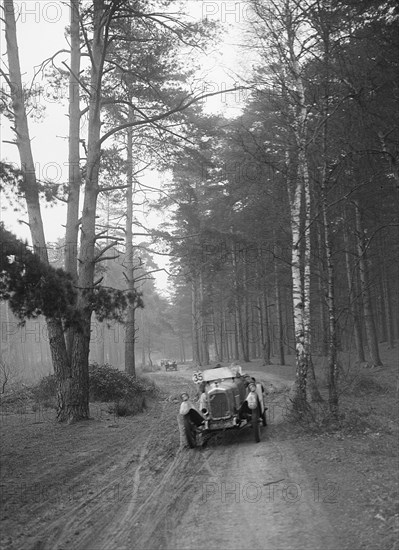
point(16, 399)
point(312, 418)
point(362, 384)
point(45, 392)
point(107, 384)
point(357, 419)
point(128, 406)
point(110, 384)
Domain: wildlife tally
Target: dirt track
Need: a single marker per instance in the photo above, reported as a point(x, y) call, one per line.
point(134, 487)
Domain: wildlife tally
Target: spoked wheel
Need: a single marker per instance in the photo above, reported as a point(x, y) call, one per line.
point(189, 431)
point(255, 424)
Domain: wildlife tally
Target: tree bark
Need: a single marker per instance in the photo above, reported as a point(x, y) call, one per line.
point(130, 329)
point(322, 294)
point(332, 333)
point(203, 326)
point(74, 175)
point(240, 343)
point(386, 297)
point(54, 326)
point(279, 317)
point(194, 322)
point(353, 307)
point(264, 322)
point(312, 388)
point(299, 399)
point(81, 345)
point(371, 333)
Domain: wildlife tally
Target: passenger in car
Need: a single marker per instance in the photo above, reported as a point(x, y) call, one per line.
point(188, 408)
point(244, 409)
point(202, 399)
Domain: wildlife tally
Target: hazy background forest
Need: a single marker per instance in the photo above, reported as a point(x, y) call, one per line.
point(304, 161)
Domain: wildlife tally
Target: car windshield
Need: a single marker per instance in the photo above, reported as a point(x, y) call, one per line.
point(218, 374)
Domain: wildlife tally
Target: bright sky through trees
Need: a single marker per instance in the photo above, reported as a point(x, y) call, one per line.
point(41, 33)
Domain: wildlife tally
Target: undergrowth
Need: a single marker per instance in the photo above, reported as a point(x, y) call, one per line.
point(361, 408)
point(126, 395)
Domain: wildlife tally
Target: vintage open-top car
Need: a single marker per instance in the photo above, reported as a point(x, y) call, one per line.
point(169, 365)
point(229, 399)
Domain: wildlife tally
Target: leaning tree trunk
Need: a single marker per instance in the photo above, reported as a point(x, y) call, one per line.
point(371, 333)
point(54, 326)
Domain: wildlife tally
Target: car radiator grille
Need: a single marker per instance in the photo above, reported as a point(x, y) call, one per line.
point(219, 405)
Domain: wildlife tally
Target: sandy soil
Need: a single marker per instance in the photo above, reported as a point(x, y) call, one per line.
point(131, 483)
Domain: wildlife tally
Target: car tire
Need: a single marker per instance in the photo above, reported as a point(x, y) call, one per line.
point(190, 433)
point(255, 424)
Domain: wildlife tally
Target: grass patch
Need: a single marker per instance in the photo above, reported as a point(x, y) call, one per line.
point(150, 368)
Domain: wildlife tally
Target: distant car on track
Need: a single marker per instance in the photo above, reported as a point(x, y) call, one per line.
point(169, 365)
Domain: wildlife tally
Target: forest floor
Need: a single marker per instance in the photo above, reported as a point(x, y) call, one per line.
point(117, 483)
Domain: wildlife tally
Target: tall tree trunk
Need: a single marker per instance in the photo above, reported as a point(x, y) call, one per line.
point(279, 317)
point(194, 321)
point(54, 326)
point(386, 297)
point(332, 333)
point(74, 175)
point(143, 337)
point(240, 343)
point(299, 396)
point(312, 388)
point(300, 238)
point(324, 327)
point(130, 330)
point(182, 349)
point(218, 351)
point(371, 333)
point(264, 321)
point(81, 344)
point(353, 307)
point(245, 332)
point(100, 341)
point(236, 339)
point(203, 342)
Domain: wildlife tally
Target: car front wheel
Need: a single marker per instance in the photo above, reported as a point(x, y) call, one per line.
point(189, 431)
point(264, 419)
point(255, 424)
